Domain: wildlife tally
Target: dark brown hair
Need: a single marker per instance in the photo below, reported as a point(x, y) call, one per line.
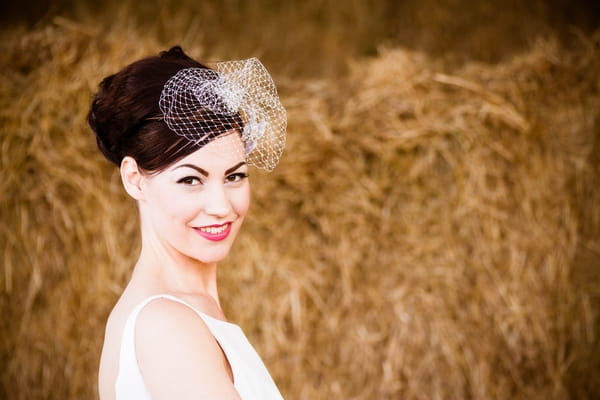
point(125, 115)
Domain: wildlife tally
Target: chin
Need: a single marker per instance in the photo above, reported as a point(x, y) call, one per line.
point(214, 252)
point(211, 256)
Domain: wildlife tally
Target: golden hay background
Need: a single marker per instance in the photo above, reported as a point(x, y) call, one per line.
point(433, 231)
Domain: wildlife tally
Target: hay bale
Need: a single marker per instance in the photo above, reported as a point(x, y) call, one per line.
point(443, 213)
point(432, 231)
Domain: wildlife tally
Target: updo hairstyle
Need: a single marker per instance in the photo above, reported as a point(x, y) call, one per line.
point(126, 118)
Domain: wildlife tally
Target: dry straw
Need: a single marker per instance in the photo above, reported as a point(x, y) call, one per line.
point(433, 230)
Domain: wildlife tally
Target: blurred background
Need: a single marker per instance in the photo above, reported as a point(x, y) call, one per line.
point(432, 232)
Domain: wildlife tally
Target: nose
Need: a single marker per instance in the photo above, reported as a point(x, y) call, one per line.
point(217, 202)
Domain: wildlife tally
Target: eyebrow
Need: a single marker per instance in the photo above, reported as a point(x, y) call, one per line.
point(205, 173)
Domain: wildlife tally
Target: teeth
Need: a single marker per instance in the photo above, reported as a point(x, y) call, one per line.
point(213, 230)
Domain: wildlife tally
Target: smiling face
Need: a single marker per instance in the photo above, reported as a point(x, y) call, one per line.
point(196, 206)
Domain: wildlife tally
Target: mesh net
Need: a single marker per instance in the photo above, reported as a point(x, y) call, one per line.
point(237, 97)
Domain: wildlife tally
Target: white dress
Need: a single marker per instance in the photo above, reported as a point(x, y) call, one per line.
point(250, 376)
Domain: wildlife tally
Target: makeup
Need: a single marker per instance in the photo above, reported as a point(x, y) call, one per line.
point(214, 233)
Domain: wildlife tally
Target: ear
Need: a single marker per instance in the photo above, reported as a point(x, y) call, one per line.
point(132, 177)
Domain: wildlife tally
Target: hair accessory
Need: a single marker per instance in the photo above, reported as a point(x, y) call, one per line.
point(238, 96)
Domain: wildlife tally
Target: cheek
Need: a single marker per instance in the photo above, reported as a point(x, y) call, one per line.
point(241, 201)
point(171, 206)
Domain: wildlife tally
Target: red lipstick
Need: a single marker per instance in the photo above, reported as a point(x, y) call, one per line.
point(214, 233)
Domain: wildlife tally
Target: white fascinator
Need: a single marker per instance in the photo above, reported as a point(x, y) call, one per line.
point(236, 97)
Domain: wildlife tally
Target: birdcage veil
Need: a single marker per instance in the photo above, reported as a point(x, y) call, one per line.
point(237, 97)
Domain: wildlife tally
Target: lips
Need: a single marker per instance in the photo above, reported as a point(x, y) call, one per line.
point(214, 233)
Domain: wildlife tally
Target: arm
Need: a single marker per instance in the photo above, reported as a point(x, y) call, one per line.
point(178, 356)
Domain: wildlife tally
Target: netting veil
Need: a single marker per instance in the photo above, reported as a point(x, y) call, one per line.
point(237, 97)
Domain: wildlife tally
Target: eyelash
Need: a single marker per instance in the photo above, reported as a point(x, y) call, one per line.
point(189, 180)
point(236, 177)
point(192, 180)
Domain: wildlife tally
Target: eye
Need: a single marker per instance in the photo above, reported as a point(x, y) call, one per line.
point(190, 180)
point(237, 177)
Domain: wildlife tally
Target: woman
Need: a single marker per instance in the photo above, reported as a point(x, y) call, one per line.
point(184, 136)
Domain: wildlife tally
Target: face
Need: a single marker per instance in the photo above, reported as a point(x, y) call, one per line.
point(196, 206)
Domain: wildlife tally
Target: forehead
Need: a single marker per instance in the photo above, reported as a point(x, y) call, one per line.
point(220, 153)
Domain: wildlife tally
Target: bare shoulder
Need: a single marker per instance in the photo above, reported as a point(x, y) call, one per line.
point(178, 355)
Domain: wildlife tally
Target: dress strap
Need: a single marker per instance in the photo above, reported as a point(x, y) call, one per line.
point(129, 383)
point(250, 375)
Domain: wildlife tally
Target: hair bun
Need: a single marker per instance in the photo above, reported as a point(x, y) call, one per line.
point(102, 140)
point(174, 53)
point(122, 110)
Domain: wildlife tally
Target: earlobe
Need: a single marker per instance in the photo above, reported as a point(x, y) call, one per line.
point(131, 177)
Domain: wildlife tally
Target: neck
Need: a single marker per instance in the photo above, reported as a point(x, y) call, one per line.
point(163, 268)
